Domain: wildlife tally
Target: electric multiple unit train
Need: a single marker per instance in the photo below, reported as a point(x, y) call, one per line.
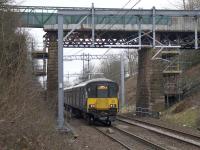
point(95, 99)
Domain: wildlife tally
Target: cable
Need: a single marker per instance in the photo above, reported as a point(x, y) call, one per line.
point(116, 21)
point(79, 51)
point(118, 11)
point(120, 17)
point(176, 6)
point(126, 4)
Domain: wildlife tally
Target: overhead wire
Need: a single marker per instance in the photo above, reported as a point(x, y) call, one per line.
point(79, 51)
point(115, 23)
point(176, 6)
point(118, 11)
point(121, 16)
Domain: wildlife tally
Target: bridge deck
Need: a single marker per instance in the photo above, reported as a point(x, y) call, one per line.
point(119, 19)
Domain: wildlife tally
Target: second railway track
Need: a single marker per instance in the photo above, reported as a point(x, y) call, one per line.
point(172, 133)
point(130, 140)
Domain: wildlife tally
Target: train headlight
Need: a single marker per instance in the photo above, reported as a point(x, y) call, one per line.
point(92, 106)
point(113, 105)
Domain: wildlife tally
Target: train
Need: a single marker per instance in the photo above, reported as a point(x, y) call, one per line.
point(94, 100)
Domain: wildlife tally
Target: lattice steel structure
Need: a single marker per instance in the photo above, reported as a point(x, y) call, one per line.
point(115, 26)
point(90, 57)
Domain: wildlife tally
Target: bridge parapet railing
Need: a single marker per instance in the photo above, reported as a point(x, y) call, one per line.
point(143, 112)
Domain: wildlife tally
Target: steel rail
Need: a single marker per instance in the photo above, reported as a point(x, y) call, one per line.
point(147, 142)
point(114, 139)
point(179, 135)
point(160, 126)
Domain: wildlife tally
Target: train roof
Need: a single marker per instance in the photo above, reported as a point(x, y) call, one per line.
point(87, 82)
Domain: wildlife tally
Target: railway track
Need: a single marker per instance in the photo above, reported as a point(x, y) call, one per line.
point(172, 133)
point(132, 136)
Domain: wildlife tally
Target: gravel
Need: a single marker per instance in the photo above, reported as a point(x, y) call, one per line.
point(91, 139)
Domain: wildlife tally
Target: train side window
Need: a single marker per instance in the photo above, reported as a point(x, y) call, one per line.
point(86, 94)
point(77, 97)
point(66, 97)
point(83, 92)
point(113, 90)
point(74, 98)
point(80, 96)
point(92, 91)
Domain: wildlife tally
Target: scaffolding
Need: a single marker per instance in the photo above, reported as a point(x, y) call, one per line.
point(39, 63)
point(172, 76)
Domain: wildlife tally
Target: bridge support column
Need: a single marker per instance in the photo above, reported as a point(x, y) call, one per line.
point(52, 70)
point(149, 94)
point(143, 82)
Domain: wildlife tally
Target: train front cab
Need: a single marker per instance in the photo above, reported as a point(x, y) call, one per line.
point(102, 101)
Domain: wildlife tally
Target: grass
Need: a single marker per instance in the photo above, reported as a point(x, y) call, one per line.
point(188, 117)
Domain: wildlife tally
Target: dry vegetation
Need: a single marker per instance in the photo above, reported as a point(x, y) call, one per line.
point(25, 120)
point(187, 112)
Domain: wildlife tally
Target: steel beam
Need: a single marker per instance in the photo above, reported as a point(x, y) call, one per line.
point(93, 25)
point(196, 32)
point(89, 57)
point(122, 88)
point(38, 16)
point(134, 12)
point(108, 11)
point(154, 26)
point(140, 30)
point(60, 74)
point(74, 27)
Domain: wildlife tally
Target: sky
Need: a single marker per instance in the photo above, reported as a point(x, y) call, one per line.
point(77, 65)
point(161, 4)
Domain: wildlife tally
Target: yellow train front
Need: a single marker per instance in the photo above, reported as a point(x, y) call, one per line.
point(95, 99)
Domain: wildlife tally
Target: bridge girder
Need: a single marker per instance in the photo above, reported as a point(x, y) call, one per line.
point(124, 39)
point(38, 16)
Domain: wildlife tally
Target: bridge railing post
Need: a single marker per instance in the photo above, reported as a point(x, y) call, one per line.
point(140, 31)
point(93, 26)
point(154, 26)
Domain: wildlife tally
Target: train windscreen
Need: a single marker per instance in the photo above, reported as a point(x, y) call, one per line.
point(102, 90)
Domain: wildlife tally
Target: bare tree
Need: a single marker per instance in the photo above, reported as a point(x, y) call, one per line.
point(16, 82)
point(132, 56)
point(86, 73)
point(190, 4)
point(111, 69)
point(184, 5)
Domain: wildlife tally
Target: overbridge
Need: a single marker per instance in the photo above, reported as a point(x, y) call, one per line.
point(118, 28)
point(102, 27)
